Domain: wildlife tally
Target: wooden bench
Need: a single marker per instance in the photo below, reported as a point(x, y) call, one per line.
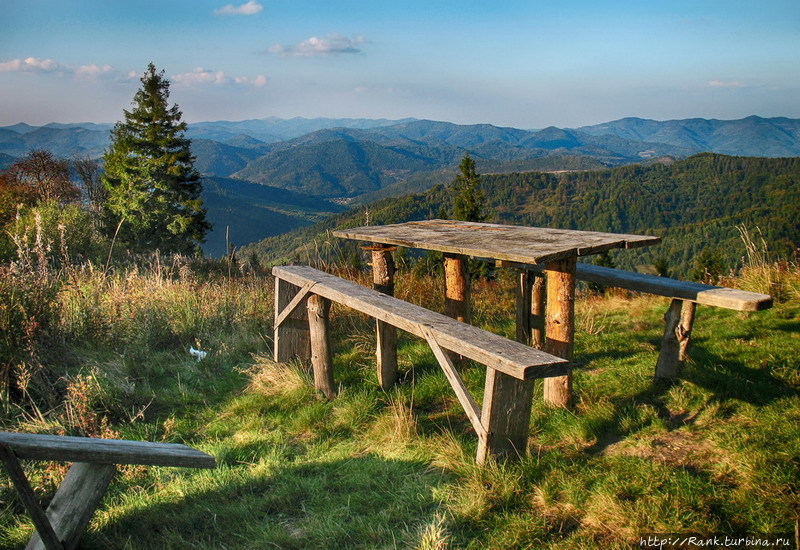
point(80, 493)
point(680, 315)
point(302, 303)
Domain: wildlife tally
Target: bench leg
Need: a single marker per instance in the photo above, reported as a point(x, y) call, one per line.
point(40, 520)
point(386, 335)
point(292, 339)
point(560, 326)
point(75, 502)
point(506, 415)
point(675, 343)
point(321, 352)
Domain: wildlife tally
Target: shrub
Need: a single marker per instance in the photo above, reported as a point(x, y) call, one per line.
point(28, 311)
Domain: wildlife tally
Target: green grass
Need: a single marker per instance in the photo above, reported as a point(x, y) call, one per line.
point(718, 450)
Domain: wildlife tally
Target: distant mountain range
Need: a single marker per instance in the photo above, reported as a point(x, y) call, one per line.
point(359, 160)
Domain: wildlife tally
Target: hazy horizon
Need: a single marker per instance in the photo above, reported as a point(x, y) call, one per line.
point(521, 64)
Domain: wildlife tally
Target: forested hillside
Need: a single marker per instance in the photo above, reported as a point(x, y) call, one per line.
point(694, 204)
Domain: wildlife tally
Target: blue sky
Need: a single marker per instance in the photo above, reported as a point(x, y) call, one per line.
point(527, 64)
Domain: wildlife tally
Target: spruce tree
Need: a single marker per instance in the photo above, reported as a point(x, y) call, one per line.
point(153, 189)
point(469, 202)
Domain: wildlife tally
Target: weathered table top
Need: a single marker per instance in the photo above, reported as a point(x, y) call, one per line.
point(531, 245)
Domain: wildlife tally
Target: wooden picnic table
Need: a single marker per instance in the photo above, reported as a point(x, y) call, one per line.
point(512, 246)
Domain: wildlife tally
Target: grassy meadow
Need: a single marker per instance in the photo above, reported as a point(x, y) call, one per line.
point(104, 352)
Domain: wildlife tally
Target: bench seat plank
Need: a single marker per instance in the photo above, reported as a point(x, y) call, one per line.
point(709, 295)
point(729, 298)
point(104, 451)
point(507, 356)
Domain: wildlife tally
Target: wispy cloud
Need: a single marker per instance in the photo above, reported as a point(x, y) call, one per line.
point(93, 72)
point(201, 76)
point(251, 7)
point(724, 84)
point(30, 65)
point(48, 66)
point(332, 44)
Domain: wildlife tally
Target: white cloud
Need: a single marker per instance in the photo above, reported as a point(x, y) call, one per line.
point(30, 64)
point(201, 76)
point(93, 71)
point(723, 84)
point(332, 44)
point(258, 82)
point(251, 7)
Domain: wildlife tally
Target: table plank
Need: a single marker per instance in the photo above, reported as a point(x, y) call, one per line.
point(501, 242)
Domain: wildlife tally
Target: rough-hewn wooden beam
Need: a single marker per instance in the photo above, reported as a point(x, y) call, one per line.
point(40, 520)
point(464, 397)
point(75, 501)
point(560, 326)
point(506, 414)
point(456, 280)
point(675, 343)
point(513, 358)
point(64, 448)
point(383, 270)
point(291, 334)
point(321, 354)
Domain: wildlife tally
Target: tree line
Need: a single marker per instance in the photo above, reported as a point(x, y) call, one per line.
point(695, 205)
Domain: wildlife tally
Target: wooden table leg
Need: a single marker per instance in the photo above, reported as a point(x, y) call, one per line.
point(530, 308)
point(524, 288)
point(560, 326)
point(538, 307)
point(456, 296)
point(383, 270)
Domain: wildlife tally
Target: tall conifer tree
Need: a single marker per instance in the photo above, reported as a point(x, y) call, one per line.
point(153, 188)
point(469, 202)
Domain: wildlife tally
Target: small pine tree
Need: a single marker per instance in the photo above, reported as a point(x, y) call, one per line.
point(469, 201)
point(153, 188)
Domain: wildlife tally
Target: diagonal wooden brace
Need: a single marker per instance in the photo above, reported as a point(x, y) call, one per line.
point(40, 520)
point(464, 397)
point(292, 305)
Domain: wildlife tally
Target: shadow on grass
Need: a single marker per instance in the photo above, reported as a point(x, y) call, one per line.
point(364, 502)
point(724, 378)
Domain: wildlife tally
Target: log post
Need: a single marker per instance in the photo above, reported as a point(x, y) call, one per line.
point(456, 295)
point(537, 321)
point(383, 270)
point(291, 338)
point(530, 308)
point(506, 415)
point(321, 353)
point(560, 326)
point(524, 288)
point(675, 343)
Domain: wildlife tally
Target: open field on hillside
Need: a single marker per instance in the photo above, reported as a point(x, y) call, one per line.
point(718, 451)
